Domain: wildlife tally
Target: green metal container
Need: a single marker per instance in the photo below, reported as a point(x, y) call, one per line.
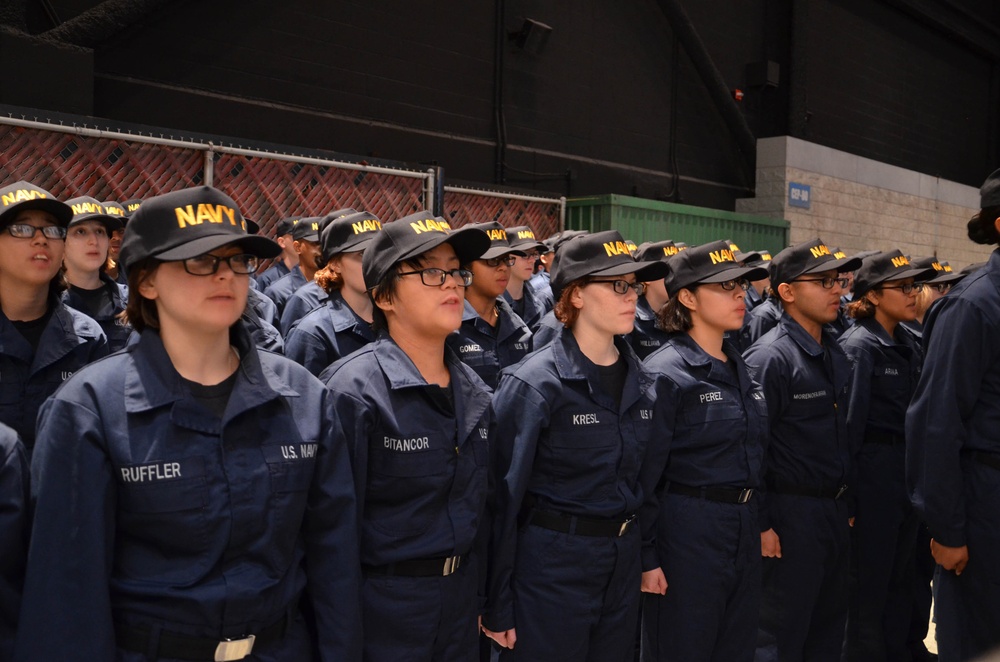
point(651, 220)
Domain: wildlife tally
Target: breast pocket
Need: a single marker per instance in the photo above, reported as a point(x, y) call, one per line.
point(290, 468)
point(583, 460)
point(162, 531)
point(407, 488)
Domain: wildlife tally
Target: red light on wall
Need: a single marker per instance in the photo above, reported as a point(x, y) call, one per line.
point(738, 94)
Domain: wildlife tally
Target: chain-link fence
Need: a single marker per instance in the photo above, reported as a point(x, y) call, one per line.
point(79, 159)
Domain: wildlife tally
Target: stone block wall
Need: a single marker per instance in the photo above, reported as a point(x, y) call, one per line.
point(859, 204)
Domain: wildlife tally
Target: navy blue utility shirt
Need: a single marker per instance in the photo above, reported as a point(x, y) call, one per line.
point(806, 389)
point(564, 446)
point(549, 328)
point(262, 332)
point(646, 337)
point(116, 331)
point(487, 349)
point(530, 308)
point(14, 531)
point(421, 473)
point(884, 377)
point(327, 334)
point(308, 297)
point(711, 423)
point(281, 290)
point(150, 510)
point(763, 318)
point(956, 407)
point(70, 341)
point(264, 307)
point(274, 273)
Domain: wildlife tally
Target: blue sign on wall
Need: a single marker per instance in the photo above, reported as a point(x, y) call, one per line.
point(799, 195)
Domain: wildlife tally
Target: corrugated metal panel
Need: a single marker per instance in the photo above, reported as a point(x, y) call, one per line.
point(651, 220)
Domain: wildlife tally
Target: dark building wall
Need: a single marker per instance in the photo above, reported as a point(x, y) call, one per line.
point(612, 104)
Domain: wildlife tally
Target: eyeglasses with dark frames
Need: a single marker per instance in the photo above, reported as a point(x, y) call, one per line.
point(827, 282)
point(494, 262)
point(905, 289)
point(942, 288)
point(208, 264)
point(622, 286)
point(434, 277)
point(731, 285)
point(26, 231)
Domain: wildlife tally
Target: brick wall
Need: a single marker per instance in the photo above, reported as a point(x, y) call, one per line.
point(860, 204)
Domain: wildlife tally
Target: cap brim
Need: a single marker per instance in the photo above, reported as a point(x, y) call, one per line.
point(62, 212)
point(750, 273)
point(500, 251)
point(843, 264)
point(952, 277)
point(644, 271)
point(112, 223)
point(469, 244)
point(530, 245)
point(312, 237)
point(253, 244)
point(918, 275)
point(743, 257)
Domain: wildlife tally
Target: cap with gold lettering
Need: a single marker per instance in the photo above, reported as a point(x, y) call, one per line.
point(90, 209)
point(188, 223)
point(522, 237)
point(131, 206)
point(714, 262)
point(348, 234)
point(21, 196)
point(742, 256)
point(943, 273)
point(307, 229)
point(599, 254)
point(656, 250)
point(499, 241)
point(890, 265)
point(809, 257)
point(414, 235)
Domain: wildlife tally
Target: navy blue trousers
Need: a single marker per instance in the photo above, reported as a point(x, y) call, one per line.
point(803, 608)
point(882, 559)
point(967, 607)
point(576, 598)
point(421, 619)
point(710, 556)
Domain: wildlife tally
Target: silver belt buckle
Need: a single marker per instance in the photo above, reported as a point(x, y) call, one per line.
point(745, 494)
point(451, 565)
point(625, 526)
point(233, 649)
point(840, 492)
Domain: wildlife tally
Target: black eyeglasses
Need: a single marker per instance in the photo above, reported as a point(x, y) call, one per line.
point(25, 231)
point(828, 282)
point(731, 285)
point(497, 261)
point(533, 255)
point(435, 277)
point(942, 288)
point(208, 264)
point(622, 286)
point(905, 289)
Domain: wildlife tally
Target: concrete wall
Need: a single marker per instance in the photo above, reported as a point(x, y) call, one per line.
point(860, 204)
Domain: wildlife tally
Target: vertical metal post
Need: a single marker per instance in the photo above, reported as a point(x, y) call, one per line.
point(562, 213)
point(430, 187)
point(438, 207)
point(209, 167)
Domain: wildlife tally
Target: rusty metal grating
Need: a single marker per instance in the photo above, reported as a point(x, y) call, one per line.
point(70, 165)
point(270, 189)
point(468, 206)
